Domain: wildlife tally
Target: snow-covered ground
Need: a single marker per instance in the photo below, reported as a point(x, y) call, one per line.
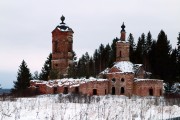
point(61, 107)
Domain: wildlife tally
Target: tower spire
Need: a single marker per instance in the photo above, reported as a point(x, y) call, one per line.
point(123, 26)
point(123, 33)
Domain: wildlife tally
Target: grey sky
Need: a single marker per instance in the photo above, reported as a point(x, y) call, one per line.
point(26, 25)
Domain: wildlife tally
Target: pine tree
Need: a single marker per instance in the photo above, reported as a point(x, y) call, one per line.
point(148, 41)
point(152, 58)
point(138, 52)
point(163, 49)
point(147, 58)
point(107, 56)
point(96, 62)
point(101, 52)
point(131, 48)
point(113, 52)
point(23, 78)
point(92, 68)
point(45, 71)
point(178, 54)
point(173, 65)
point(36, 75)
point(72, 71)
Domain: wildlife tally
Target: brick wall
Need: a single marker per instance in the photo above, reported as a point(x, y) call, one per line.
point(61, 50)
point(121, 81)
point(149, 87)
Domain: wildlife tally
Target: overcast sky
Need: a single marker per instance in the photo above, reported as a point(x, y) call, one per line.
point(26, 26)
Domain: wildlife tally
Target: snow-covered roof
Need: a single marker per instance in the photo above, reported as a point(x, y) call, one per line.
point(139, 80)
point(137, 66)
point(105, 71)
point(64, 28)
point(125, 66)
point(68, 82)
point(120, 41)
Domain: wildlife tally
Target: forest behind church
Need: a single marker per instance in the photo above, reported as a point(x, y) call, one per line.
point(157, 56)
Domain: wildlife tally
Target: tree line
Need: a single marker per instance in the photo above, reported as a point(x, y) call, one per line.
point(157, 56)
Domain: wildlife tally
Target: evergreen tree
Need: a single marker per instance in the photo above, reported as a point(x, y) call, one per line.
point(162, 56)
point(23, 79)
point(36, 75)
point(138, 52)
point(113, 52)
point(152, 58)
point(148, 49)
point(92, 68)
point(178, 58)
point(72, 71)
point(173, 66)
point(96, 61)
point(101, 52)
point(45, 71)
point(107, 56)
point(148, 41)
point(131, 48)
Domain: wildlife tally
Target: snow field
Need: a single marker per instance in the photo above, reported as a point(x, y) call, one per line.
point(58, 107)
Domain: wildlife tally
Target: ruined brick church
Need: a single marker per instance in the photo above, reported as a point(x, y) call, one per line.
point(124, 78)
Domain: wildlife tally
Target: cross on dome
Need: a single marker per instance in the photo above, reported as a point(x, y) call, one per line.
point(62, 19)
point(123, 26)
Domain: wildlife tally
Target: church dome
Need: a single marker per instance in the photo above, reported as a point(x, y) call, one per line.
point(62, 26)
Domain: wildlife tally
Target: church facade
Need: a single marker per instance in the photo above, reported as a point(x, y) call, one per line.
point(124, 78)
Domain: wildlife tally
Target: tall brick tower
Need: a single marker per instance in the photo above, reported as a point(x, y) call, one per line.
point(122, 47)
point(62, 45)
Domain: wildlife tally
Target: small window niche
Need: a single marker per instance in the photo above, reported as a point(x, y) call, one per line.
point(113, 80)
point(122, 79)
point(94, 91)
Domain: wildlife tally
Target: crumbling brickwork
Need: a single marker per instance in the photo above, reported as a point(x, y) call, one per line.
point(62, 48)
point(151, 87)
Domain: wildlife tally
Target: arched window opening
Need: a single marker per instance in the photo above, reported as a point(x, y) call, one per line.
point(65, 90)
point(113, 80)
point(94, 91)
point(151, 92)
point(113, 91)
point(76, 90)
point(122, 79)
point(55, 90)
point(122, 90)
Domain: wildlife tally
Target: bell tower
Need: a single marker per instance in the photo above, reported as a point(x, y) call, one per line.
point(62, 48)
point(122, 47)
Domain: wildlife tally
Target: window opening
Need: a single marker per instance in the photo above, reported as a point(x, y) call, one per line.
point(55, 90)
point(113, 91)
point(113, 80)
point(65, 90)
point(151, 92)
point(122, 90)
point(76, 90)
point(94, 91)
point(120, 54)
